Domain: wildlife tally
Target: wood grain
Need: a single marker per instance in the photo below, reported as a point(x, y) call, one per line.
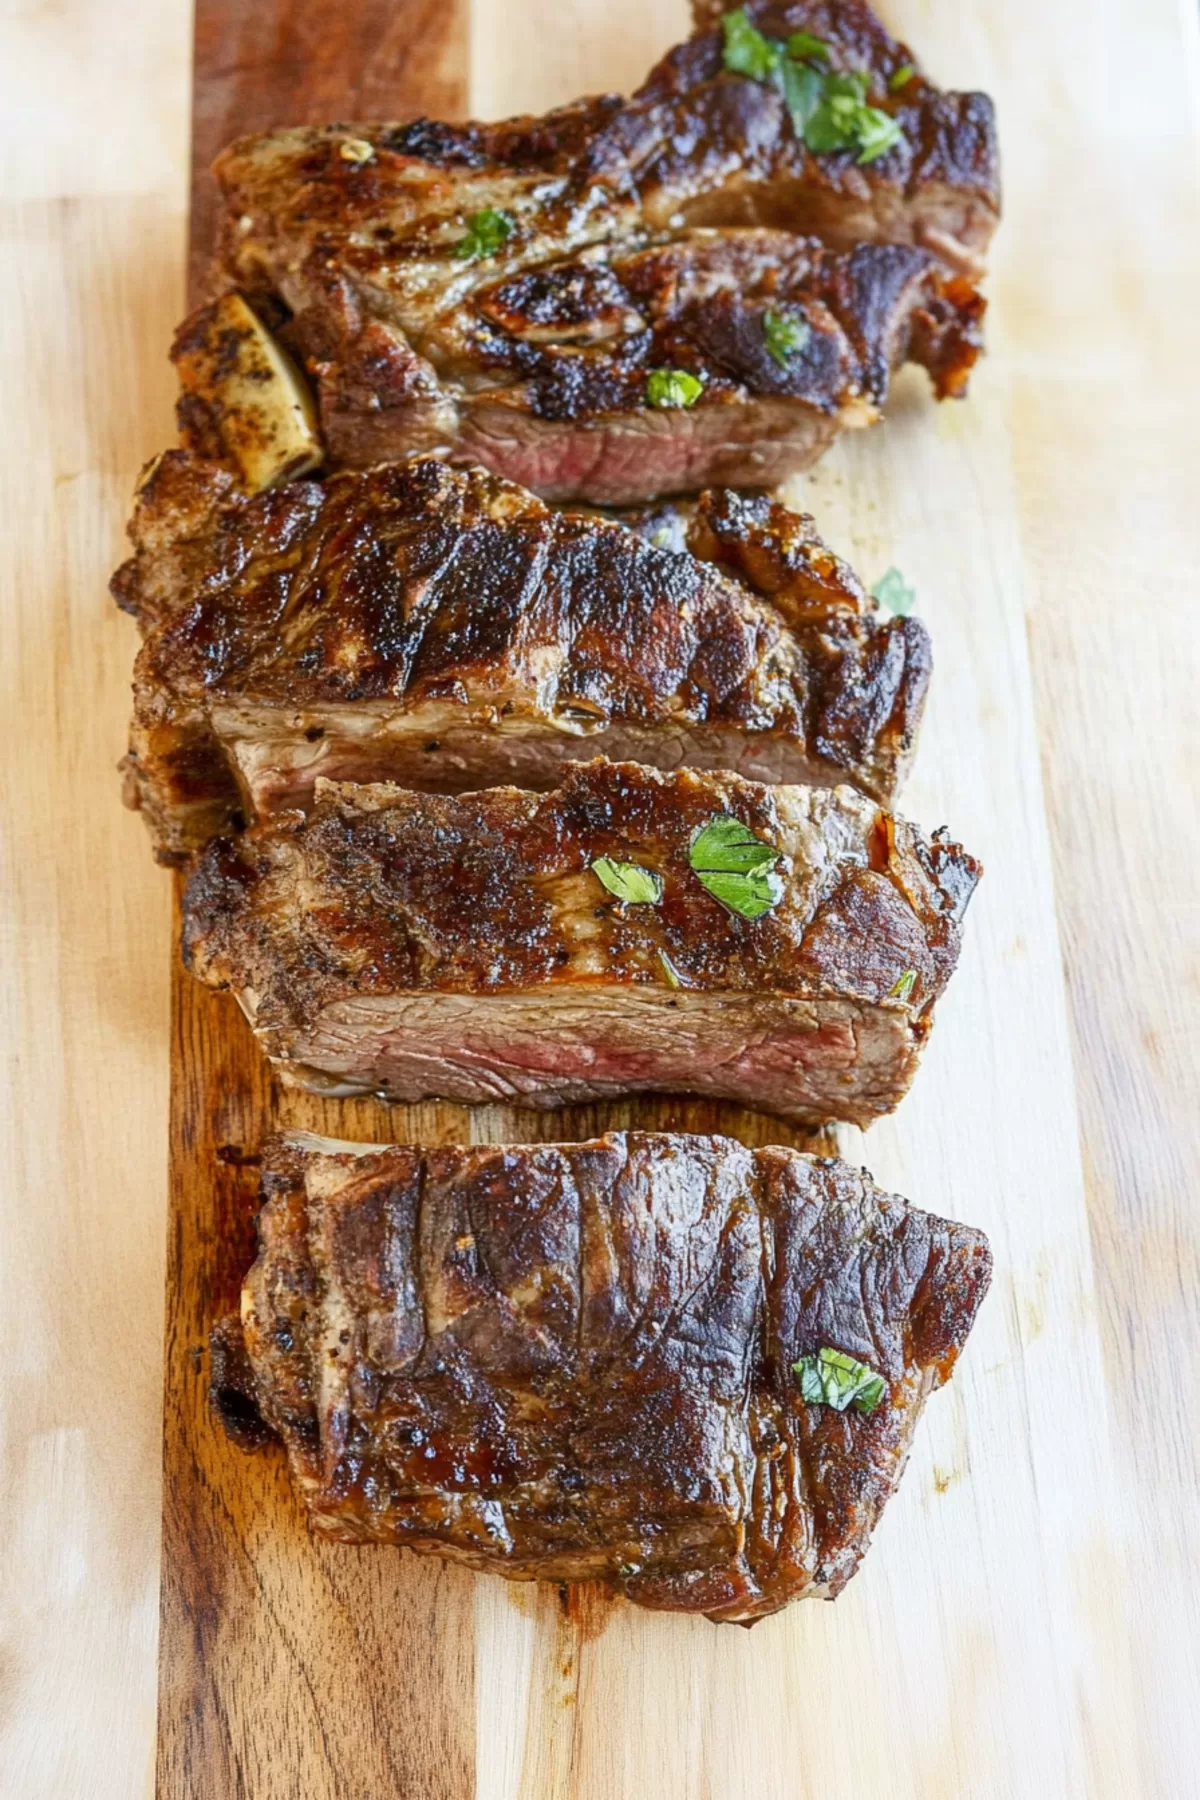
point(285, 1666)
point(91, 278)
point(1026, 1624)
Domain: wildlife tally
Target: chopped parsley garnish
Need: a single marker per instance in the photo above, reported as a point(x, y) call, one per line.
point(747, 51)
point(487, 232)
point(892, 591)
point(844, 121)
point(628, 881)
point(785, 335)
point(803, 87)
point(831, 1378)
point(829, 108)
point(736, 868)
point(802, 45)
point(673, 387)
point(669, 970)
point(902, 987)
point(902, 77)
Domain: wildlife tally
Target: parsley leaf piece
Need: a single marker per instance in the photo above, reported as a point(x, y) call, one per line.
point(803, 87)
point(487, 232)
point(735, 867)
point(747, 51)
point(803, 44)
point(902, 987)
point(750, 896)
point(785, 335)
point(902, 77)
point(831, 1378)
point(877, 133)
point(669, 970)
point(673, 387)
point(892, 591)
point(833, 124)
point(628, 881)
point(844, 121)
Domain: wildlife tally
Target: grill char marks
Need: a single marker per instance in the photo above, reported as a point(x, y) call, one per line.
point(575, 1361)
point(721, 149)
point(448, 631)
point(422, 945)
point(653, 232)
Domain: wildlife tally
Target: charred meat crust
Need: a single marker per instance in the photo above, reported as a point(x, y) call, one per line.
point(472, 906)
point(543, 373)
point(695, 145)
point(575, 1361)
point(417, 590)
point(644, 234)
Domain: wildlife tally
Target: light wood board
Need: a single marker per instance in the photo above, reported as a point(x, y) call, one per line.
point(1026, 1623)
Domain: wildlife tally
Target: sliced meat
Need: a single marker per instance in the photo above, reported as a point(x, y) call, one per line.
point(447, 631)
point(618, 239)
point(577, 1361)
point(466, 947)
point(526, 376)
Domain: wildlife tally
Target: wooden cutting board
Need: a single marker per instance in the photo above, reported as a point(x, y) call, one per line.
point(981, 1649)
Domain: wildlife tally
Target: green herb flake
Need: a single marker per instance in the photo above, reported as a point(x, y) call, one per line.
point(844, 121)
point(669, 970)
point(902, 987)
point(666, 388)
point(892, 591)
point(629, 882)
point(747, 51)
point(803, 88)
point(877, 133)
point(785, 335)
point(829, 110)
point(802, 45)
point(735, 867)
point(831, 1378)
point(355, 150)
point(487, 232)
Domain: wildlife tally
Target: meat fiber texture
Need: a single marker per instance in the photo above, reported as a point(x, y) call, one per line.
point(445, 630)
point(576, 1361)
point(655, 232)
point(420, 946)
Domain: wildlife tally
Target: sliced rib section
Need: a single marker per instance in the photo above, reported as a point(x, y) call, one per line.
point(446, 630)
point(507, 293)
point(576, 1361)
point(465, 947)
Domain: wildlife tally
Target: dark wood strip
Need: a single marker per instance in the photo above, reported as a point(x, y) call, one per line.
point(287, 1667)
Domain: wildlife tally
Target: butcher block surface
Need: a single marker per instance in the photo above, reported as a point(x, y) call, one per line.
point(1026, 1624)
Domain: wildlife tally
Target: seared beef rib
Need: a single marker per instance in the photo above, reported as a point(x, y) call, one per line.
point(445, 630)
point(577, 1361)
point(469, 948)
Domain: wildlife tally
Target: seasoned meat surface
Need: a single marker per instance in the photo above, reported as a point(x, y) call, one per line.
point(465, 947)
point(575, 1361)
point(446, 630)
point(623, 238)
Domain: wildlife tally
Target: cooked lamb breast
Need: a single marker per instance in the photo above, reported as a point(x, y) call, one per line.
point(626, 238)
point(577, 1361)
point(445, 630)
point(469, 948)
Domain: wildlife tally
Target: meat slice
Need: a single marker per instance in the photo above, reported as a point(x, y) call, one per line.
point(510, 294)
point(445, 630)
point(527, 376)
point(468, 947)
point(577, 1361)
